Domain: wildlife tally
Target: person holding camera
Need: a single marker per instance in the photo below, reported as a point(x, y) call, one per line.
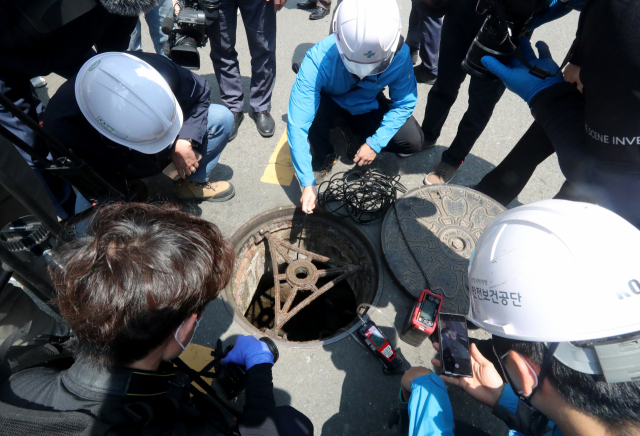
point(344, 76)
point(566, 341)
point(594, 132)
point(459, 29)
point(130, 116)
point(134, 288)
point(589, 119)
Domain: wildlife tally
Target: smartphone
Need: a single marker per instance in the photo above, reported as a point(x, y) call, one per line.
point(454, 345)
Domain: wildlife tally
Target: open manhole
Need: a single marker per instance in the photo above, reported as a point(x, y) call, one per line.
point(324, 269)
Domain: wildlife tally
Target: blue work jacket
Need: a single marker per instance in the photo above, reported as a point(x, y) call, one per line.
point(323, 71)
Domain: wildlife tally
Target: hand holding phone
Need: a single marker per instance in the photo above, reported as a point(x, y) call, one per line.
point(454, 341)
point(485, 385)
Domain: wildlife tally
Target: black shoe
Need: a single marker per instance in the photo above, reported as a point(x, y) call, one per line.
point(319, 13)
point(309, 4)
point(425, 145)
point(414, 55)
point(265, 124)
point(237, 120)
point(423, 75)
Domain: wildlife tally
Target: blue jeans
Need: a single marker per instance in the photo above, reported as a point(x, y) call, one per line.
point(154, 20)
point(219, 127)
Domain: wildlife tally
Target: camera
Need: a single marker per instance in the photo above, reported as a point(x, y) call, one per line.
point(187, 31)
point(505, 24)
point(230, 377)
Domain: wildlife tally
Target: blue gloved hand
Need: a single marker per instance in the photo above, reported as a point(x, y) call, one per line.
point(249, 352)
point(557, 9)
point(516, 76)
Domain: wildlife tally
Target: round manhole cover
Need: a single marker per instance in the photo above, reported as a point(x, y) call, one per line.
point(300, 279)
point(432, 232)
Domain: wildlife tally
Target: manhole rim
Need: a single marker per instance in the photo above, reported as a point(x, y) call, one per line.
point(237, 240)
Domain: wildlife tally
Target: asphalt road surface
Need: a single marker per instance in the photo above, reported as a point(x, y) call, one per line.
point(341, 386)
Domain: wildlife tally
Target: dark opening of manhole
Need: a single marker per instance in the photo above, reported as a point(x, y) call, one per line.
point(324, 268)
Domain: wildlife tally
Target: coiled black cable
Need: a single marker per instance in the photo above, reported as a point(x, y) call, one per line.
point(364, 197)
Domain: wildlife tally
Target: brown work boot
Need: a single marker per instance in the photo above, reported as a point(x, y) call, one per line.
point(209, 191)
point(442, 174)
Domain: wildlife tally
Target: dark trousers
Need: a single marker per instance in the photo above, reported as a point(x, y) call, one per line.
point(408, 139)
point(324, 4)
point(509, 178)
point(259, 20)
point(505, 182)
point(424, 34)
point(458, 31)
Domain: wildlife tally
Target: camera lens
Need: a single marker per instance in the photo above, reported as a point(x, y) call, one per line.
point(185, 53)
point(492, 40)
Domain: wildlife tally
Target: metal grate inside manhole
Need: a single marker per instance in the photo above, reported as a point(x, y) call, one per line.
point(299, 280)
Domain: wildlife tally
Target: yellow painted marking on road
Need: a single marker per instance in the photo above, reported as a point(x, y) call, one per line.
point(197, 357)
point(279, 170)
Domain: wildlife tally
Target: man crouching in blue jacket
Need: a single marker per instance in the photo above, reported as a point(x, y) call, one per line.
point(344, 76)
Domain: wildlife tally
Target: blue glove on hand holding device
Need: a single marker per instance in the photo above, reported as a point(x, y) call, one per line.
point(248, 352)
point(517, 77)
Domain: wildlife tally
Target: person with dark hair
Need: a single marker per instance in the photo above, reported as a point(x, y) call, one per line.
point(133, 289)
point(564, 324)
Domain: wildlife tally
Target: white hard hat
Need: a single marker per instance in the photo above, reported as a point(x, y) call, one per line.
point(129, 102)
point(556, 271)
point(367, 34)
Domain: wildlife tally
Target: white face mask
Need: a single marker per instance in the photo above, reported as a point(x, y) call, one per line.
point(363, 70)
point(194, 332)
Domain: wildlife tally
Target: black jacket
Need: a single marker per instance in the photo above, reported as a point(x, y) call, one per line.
point(25, 52)
point(597, 134)
point(104, 392)
point(117, 163)
point(609, 55)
